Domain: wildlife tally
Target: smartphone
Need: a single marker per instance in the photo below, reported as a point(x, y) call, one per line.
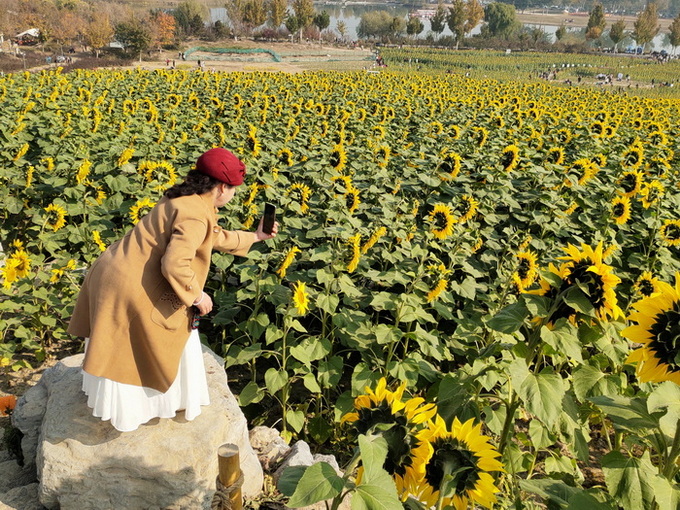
point(269, 218)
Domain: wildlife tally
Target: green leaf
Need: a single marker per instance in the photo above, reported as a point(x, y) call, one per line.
point(540, 435)
point(563, 339)
point(630, 480)
point(275, 379)
point(295, 419)
point(289, 479)
point(251, 394)
point(373, 454)
point(666, 398)
point(327, 302)
point(538, 306)
point(318, 483)
point(628, 414)
point(579, 301)
point(510, 318)
point(667, 494)
point(310, 383)
point(542, 395)
point(386, 334)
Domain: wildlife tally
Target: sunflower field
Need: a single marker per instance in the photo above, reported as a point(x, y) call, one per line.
point(474, 280)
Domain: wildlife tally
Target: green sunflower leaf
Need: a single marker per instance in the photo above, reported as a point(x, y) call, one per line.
point(542, 394)
point(510, 318)
point(627, 414)
point(319, 482)
point(630, 480)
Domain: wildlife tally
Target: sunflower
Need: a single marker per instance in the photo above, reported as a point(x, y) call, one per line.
point(21, 152)
point(527, 270)
point(442, 220)
point(633, 157)
point(383, 154)
point(585, 269)
point(304, 192)
point(468, 207)
point(437, 290)
point(285, 157)
point(510, 158)
point(21, 262)
point(29, 176)
point(651, 193)
point(97, 238)
point(583, 169)
point(631, 182)
point(140, 208)
point(373, 239)
point(657, 329)
point(670, 232)
point(385, 412)
point(9, 273)
point(352, 200)
point(125, 156)
point(56, 216)
point(300, 298)
point(555, 155)
point(461, 458)
point(287, 261)
point(480, 136)
point(646, 284)
point(451, 164)
point(355, 243)
point(252, 143)
point(621, 209)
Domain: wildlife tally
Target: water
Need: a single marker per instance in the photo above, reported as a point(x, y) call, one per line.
point(351, 16)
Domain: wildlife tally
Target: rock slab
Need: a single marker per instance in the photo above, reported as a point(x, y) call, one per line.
point(84, 463)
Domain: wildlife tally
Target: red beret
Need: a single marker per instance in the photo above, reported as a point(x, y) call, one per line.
point(222, 165)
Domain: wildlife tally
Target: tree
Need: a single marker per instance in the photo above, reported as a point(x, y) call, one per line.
point(292, 24)
point(235, 10)
point(189, 18)
point(645, 27)
point(322, 20)
point(277, 12)
point(304, 12)
point(438, 21)
point(560, 32)
point(163, 27)
point(98, 31)
point(414, 26)
point(616, 32)
point(456, 20)
point(134, 35)
point(674, 32)
point(64, 27)
point(341, 27)
point(501, 19)
point(254, 14)
point(596, 22)
point(475, 14)
point(375, 24)
point(397, 26)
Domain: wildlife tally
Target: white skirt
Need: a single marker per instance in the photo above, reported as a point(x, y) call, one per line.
point(129, 406)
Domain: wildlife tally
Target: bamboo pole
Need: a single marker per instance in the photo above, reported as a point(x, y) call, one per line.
point(230, 471)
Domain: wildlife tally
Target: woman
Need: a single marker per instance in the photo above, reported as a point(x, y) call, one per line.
point(136, 306)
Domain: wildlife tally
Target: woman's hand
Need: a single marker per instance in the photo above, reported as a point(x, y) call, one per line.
point(263, 236)
point(205, 304)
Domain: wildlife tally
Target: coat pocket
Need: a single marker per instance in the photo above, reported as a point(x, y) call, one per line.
point(169, 312)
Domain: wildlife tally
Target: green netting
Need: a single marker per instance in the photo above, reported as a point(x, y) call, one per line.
point(243, 51)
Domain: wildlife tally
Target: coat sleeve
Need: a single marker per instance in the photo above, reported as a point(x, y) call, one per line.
point(187, 237)
point(236, 242)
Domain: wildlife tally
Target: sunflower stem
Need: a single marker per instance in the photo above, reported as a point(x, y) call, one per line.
point(671, 467)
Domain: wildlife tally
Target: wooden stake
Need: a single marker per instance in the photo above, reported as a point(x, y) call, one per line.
point(230, 471)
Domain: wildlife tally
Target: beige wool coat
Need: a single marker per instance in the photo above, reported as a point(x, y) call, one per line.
point(135, 302)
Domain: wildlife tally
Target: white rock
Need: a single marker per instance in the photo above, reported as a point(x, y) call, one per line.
point(84, 463)
point(21, 498)
point(269, 446)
